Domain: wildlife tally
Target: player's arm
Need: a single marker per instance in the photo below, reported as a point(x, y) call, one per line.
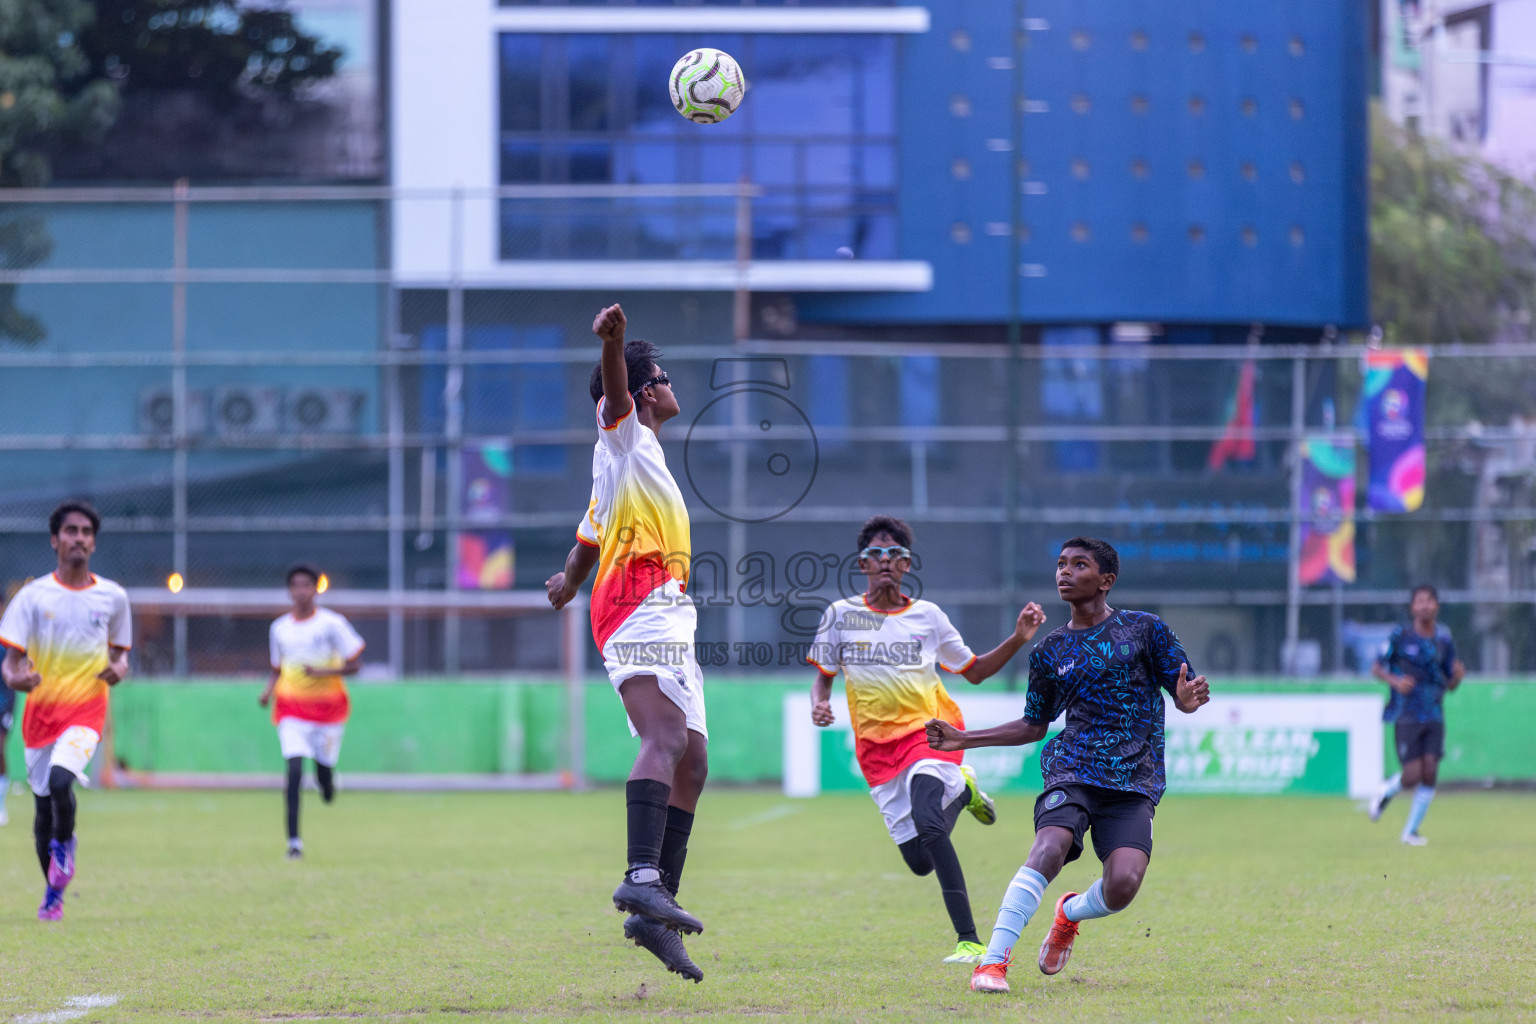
point(266, 691)
point(19, 673)
point(943, 736)
point(988, 665)
point(348, 668)
point(1456, 675)
point(1401, 684)
point(821, 698)
point(117, 666)
point(609, 326)
point(579, 563)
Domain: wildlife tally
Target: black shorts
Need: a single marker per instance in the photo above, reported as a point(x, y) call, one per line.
point(7, 708)
point(1415, 739)
point(1117, 818)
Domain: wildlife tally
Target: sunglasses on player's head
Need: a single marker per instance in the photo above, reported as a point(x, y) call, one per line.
point(660, 378)
point(893, 552)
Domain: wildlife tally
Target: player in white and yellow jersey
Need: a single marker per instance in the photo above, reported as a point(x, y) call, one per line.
point(66, 638)
point(635, 534)
point(312, 648)
point(890, 649)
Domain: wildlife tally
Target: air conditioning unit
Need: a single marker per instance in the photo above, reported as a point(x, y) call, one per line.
point(324, 411)
point(157, 412)
point(247, 411)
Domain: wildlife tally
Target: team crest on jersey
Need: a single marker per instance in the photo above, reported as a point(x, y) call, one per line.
point(98, 620)
point(1055, 799)
point(1125, 650)
point(1411, 650)
point(682, 680)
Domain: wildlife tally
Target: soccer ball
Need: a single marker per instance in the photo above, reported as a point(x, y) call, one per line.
point(706, 85)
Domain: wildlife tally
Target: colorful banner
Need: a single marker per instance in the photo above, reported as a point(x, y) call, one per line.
point(1241, 744)
point(1237, 442)
point(486, 557)
point(1392, 414)
point(1327, 512)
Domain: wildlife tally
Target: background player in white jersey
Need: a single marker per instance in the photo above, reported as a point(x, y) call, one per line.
point(312, 648)
point(635, 534)
point(66, 638)
point(890, 648)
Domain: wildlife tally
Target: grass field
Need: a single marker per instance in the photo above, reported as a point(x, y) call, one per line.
point(457, 907)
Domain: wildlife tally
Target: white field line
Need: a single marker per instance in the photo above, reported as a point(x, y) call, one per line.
point(74, 1008)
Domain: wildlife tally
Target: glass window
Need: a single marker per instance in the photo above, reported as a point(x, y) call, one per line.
point(817, 132)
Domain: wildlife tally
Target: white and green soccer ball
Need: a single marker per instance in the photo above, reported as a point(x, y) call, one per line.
point(707, 85)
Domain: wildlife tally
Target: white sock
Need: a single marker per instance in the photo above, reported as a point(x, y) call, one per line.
point(1089, 905)
point(1393, 786)
point(1019, 904)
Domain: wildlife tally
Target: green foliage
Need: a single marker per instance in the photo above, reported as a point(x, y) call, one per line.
point(1453, 243)
point(48, 93)
point(495, 907)
point(215, 48)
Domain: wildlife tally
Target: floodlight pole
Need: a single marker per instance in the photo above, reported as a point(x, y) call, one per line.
point(179, 425)
point(1293, 559)
point(1009, 546)
point(453, 421)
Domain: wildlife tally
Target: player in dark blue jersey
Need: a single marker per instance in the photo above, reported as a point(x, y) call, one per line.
point(1421, 667)
point(1104, 772)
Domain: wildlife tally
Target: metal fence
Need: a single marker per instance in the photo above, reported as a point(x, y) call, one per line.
point(245, 378)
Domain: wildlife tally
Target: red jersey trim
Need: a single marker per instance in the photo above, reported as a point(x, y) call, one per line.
point(329, 710)
point(43, 721)
point(881, 611)
point(589, 543)
point(616, 597)
point(15, 647)
point(616, 422)
point(961, 669)
point(824, 670)
point(882, 762)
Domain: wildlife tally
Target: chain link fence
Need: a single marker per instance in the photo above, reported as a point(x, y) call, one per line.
point(239, 380)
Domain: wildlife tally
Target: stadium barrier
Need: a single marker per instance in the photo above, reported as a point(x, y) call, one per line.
point(455, 733)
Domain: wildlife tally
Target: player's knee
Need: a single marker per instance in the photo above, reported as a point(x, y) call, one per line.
point(693, 769)
point(916, 857)
point(1120, 888)
point(60, 781)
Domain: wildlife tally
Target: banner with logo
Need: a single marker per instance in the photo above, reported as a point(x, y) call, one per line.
point(1239, 744)
point(486, 557)
point(1392, 413)
point(1327, 512)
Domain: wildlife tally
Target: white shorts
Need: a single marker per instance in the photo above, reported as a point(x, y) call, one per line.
point(894, 798)
point(73, 750)
point(316, 740)
point(657, 640)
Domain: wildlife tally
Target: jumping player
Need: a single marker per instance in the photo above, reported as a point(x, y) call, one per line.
point(1421, 667)
point(635, 534)
point(312, 648)
point(66, 638)
point(1104, 772)
point(890, 647)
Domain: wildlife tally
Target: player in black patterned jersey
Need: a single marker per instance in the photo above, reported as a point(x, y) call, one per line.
point(1104, 772)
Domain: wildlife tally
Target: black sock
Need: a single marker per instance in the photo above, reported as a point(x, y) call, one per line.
point(61, 793)
point(646, 801)
point(934, 822)
point(291, 796)
point(674, 847)
point(326, 776)
point(42, 830)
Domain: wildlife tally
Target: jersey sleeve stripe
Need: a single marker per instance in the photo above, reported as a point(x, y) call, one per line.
point(824, 670)
point(961, 669)
point(13, 646)
point(121, 647)
point(589, 543)
point(621, 419)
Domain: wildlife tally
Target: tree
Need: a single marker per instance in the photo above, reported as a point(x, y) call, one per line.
point(224, 52)
point(48, 92)
point(1453, 243)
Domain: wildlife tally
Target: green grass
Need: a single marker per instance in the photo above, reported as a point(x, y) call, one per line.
point(457, 907)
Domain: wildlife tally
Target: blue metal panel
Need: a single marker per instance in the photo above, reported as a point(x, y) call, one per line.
point(1193, 161)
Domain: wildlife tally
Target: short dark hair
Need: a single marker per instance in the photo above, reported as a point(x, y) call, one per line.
point(56, 519)
point(302, 568)
point(1424, 588)
point(897, 528)
point(1102, 551)
point(639, 357)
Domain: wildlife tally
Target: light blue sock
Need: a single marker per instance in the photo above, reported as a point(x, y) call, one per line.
point(1019, 904)
point(1089, 905)
point(1393, 787)
point(1421, 800)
